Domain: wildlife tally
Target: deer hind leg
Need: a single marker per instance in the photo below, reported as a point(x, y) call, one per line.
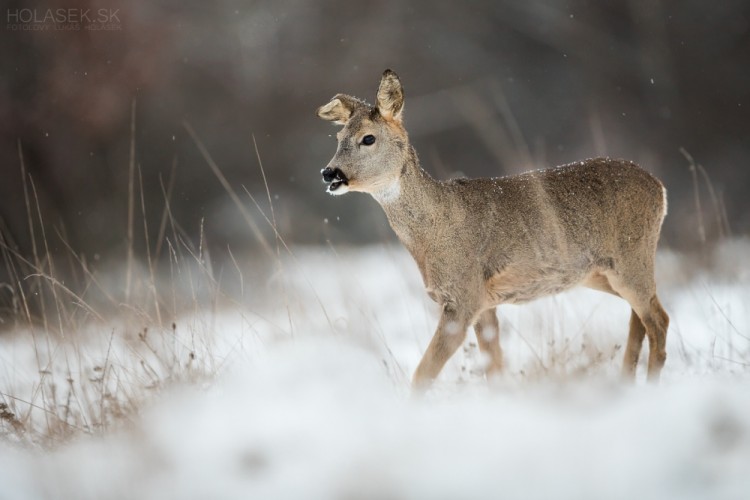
point(449, 336)
point(649, 319)
point(487, 329)
point(599, 281)
point(633, 349)
point(656, 321)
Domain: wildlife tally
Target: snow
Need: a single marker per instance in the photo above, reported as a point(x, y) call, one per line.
point(322, 409)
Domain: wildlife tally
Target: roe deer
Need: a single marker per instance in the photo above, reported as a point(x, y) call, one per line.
point(480, 243)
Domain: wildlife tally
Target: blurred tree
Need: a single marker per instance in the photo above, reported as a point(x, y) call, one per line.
point(492, 87)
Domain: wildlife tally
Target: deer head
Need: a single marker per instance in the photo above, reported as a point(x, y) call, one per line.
point(372, 145)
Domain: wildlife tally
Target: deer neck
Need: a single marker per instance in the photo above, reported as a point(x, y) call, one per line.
point(411, 203)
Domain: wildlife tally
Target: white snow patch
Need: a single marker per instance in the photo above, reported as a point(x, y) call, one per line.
point(311, 399)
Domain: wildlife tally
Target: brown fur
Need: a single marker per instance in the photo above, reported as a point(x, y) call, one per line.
point(484, 242)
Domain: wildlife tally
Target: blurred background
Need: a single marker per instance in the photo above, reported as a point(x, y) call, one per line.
point(492, 88)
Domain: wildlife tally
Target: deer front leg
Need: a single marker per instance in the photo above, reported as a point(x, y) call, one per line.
point(450, 334)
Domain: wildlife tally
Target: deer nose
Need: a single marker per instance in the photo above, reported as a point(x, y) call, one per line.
point(329, 174)
point(333, 175)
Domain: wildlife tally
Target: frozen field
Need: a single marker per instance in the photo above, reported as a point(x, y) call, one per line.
point(298, 388)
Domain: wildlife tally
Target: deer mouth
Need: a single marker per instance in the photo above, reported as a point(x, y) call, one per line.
point(335, 178)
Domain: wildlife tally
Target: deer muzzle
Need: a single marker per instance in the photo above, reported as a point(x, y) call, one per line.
point(334, 177)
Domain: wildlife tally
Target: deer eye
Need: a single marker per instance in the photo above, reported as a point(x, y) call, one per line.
point(368, 140)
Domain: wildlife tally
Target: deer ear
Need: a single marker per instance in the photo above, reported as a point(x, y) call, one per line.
point(338, 110)
point(390, 96)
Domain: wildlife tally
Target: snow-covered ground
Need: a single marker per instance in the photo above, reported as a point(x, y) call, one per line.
point(301, 391)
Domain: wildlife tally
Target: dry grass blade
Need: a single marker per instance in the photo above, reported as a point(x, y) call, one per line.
point(228, 188)
point(32, 235)
point(148, 251)
point(714, 199)
point(48, 257)
point(131, 204)
point(696, 194)
point(721, 311)
point(166, 215)
point(291, 254)
point(85, 269)
point(76, 299)
point(279, 262)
